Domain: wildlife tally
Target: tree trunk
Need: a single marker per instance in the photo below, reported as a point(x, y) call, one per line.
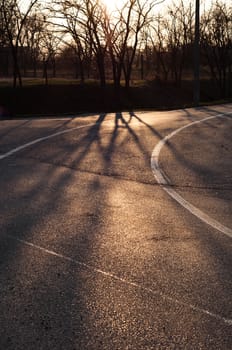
point(17, 73)
point(101, 70)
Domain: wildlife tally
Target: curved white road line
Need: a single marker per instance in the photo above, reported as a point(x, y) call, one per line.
point(162, 179)
point(94, 269)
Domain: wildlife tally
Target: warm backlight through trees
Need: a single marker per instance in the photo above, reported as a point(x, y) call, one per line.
point(113, 4)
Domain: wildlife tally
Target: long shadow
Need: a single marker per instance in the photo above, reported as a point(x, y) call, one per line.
point(203, 172)
point(55, 305)
point(212, 246)
point(122, 123)
point(216, 248)
point(10, 130)
point(30, 207)
point(153, 130)
point(86, 141)
point(51, 312)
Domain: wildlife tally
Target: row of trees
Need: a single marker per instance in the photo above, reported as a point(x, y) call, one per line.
point(85, 35)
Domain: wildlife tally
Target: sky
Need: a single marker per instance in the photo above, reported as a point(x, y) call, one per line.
point(161, 7)
point(163, 4)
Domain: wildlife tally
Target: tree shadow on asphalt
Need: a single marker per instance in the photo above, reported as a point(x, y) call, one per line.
point(11, 129)
point(208, 176)
point(36, 199)
point(216, 246)
point(21, 133)
point(55, 304)
point(76, 155)
point(50, 307)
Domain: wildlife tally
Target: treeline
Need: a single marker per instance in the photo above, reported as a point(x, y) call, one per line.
point(82, 39)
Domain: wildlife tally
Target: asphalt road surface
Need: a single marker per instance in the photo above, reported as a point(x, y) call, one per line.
point(116, 231)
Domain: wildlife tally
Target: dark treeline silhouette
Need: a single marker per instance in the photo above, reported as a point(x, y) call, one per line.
point(83, 40)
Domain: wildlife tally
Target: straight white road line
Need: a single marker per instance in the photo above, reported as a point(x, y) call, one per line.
point(164, 182)
point(138, 286)
point(20, 148)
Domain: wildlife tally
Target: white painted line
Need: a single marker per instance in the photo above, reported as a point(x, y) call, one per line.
point(159, 175)
point(17, 149)
point(162, 179)
point(156, 293)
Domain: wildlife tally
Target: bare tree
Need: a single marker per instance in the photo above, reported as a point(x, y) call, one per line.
point(158, 40)
point(70, 21)
point(124, 33)
point(35, 26)
point(14, 20)
point(180, 36)
point(4, 43)
point(49, 49)
point(3, 31)
point(95, 13)
point(82, 20)
point(216, 42)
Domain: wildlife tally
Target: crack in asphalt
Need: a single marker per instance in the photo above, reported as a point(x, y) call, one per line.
point(114, 176)
point(218, 187)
